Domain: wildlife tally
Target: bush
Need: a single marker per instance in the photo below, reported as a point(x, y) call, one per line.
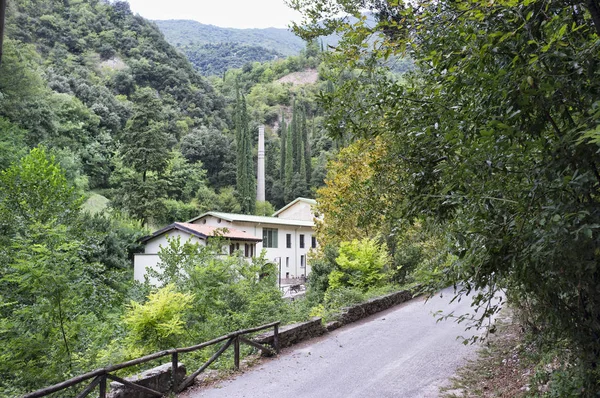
point(360, 264)
point(158, 323)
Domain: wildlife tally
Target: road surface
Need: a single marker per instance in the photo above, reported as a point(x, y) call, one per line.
point(401, 352)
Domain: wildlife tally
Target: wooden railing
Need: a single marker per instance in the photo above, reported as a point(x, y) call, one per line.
point(100, 376)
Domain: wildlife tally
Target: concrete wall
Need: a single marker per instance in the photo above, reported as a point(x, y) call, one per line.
point(292, 334)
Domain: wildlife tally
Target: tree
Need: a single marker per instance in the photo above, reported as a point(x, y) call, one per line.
point(35, 190)
point(53, 293)
point(497, 132)
point(283, 152)
point(245, 183)
point(214, 150)
point(144, 145)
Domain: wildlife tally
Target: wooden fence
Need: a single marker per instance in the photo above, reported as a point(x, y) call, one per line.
point(100, 376)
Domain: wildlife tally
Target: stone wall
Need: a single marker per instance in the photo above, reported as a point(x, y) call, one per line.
point(158, 379)
point(292, 334)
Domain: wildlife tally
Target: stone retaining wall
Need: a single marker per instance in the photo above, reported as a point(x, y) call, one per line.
point(292, 334)
point(158, 379)
point(295, 333)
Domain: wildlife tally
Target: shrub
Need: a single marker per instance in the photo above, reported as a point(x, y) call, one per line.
point(360, 264)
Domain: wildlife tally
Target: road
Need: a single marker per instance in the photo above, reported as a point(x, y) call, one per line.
point(401, 352)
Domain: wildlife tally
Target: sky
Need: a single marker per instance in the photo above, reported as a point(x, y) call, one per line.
point(223, 13)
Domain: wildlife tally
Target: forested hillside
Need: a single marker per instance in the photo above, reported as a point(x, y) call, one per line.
point(216, 59)
point(94, 102)
point(183, 33)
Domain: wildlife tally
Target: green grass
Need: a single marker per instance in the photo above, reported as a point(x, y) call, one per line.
point(95, 203)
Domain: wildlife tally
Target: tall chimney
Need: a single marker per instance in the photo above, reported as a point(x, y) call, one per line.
point(260, 174)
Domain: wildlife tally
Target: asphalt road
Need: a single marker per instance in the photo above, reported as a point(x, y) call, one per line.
point(401, 352)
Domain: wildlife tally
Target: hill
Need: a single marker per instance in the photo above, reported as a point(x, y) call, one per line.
point(216, 59)
point(185, 33)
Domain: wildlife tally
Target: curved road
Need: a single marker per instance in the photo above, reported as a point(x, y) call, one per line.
point(401, 352)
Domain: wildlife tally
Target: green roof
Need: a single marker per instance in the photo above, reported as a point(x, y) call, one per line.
point(255, 219)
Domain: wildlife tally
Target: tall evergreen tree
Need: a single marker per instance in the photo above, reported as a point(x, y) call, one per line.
point(283, 138)
point(306, 153)
point(245, 184)
point(302, 163)
point(289, 160)
point(145, 139)
point(295, 142)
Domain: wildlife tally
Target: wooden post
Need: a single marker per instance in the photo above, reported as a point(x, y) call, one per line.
point(102, 387)
point(236, 353)
point(276, 338)
point(174, 365)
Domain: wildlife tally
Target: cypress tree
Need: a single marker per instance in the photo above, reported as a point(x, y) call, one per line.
point(298, 140)
point(289, 158)
point(245, 184)
point(283, 139)
point(302, 164)
point(306, 146)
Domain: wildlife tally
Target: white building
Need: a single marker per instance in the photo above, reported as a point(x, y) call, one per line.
point(286, 237)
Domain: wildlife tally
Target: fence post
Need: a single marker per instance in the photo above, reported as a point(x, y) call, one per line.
point(236, 353)
point(102, 386)
point(174, 365)
point(276, 338)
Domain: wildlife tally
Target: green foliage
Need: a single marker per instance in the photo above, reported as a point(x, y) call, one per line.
point(264, 209)
point(360, 264)
point(218, 58)
point(492, 137)
point(145, 140)
point(245, 181)
point(35, 190)
point(230, 292)
point(63, 274)
point(192, 34)
point(159, 323)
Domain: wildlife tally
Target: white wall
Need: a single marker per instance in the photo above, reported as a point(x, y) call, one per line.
point(272, 254)
point(150, 256)
point(153, 245)
point(141, 262)
point(298, 211)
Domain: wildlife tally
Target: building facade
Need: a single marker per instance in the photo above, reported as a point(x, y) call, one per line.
point(286, 237)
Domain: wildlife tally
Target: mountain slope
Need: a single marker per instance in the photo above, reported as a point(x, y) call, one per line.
point(183, 33)
point(216, 59)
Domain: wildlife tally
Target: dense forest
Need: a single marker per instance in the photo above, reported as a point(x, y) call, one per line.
point(491, 144)
point(216, 59)
point(107, 131)
point(478, 168)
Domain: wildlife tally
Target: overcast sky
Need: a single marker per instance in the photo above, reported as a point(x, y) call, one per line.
point(224, 13)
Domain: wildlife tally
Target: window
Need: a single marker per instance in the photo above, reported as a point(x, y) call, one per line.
point(313, 242)
point(287, 262)
point(301, 241)
point(231, 249)
point(302, 261)
point(270, 237)
point(288, 241)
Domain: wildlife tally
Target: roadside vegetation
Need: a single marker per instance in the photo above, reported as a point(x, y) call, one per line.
point(493, 140)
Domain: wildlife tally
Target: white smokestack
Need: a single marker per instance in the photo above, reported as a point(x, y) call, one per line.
point(260, 174)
